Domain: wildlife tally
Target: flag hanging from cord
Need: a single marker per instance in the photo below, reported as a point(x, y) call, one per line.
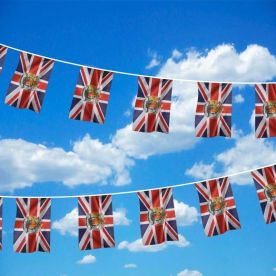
point(265, 110)
point(32, 225)
point(91, 95)
point(29, 82)
point(3, 53)
point(214, 110)
point(152, 105)
point(1, 210)
point(96, 227)
point(157, 216)
point(217, 206)
point(265, 182)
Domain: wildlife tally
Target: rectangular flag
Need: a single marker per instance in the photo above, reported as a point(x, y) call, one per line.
point(152, 105)
point(214, 110)
point(3, 52)
point(265, 182)
point(265, 110)
point(1, 210)
point(217, 206)
point(91, 95)
point(29, 82)
point(32, 225)
point(157, 216)
point(96, 226)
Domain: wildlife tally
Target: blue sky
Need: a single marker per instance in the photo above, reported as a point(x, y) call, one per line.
point(46, 153)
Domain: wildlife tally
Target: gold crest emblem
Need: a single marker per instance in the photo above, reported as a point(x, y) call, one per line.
point(29, 81)
point(270, 192)
point(216, 205)
point(157, 215)
point(91, 93)
point(213, 109)
point(269, 109)
point(95, 221)
point(152, 104)
point(32, 224)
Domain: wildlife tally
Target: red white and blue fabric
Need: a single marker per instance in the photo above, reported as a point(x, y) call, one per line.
point(265, 182)
point(217, 206)
point(214, 110)
point(32, 225)
point(3, 53)
point(96, 226)
point(29, 82)
point(157, 216)
point(152, 105)
point(90, 105)
point(265, 110)
point(1, 225)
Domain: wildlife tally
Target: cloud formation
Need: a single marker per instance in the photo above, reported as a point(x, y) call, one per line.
point(185, 214)
point(88, 259)
point(187, 272)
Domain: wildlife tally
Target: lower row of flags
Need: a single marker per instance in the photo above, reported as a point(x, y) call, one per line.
point(153, 101)
point(157, 215)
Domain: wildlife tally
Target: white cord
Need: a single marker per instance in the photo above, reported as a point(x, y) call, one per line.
point(136, 191)
point(134, 74)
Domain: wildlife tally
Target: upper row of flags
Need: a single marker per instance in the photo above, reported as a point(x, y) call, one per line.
point(157, 214)
point(153, 101)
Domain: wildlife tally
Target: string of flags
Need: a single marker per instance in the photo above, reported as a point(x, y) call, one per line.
point(158, 222)
point(151, 113)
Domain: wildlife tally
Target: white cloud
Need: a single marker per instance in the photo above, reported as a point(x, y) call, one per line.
point(88, 259)
point(137, 245)
point(239, 98)
point(185, 215)
point(222, 63)
point(69, 223)
point(130, 266)
point(247, 153)
point(187, 272)
point(155, 60)
point(90, 161)
point(176, 54)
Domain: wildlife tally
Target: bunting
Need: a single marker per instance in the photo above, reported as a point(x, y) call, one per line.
point(157, 216)
point(32, 225)
point(152, 105)
point(214, 110)
point(29, 82)
point(265, 110)
point(91, 95)
point(217, 206)
point(265, 182)
point(3, 53)
point(96, 227)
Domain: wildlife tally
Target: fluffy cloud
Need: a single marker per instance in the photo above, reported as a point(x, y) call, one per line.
point(68, 224)
point(247, 153)
point(88, 259)
point(185, 215)
point(137, 245)
point(222, 63)
point(130, 266)
point(155, 59)
point(187, 272)
point(90, 161)
point(239, 98)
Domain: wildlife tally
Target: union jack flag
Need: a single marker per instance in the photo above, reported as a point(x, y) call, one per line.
point(265, 182)
point(1, 206)
point(32, 225)
point(217, 206)
point(96, 227)
point(3, 52)
point(152, 105)
point(29, 82)
point(214, 110)
point(91, 95)
point(265, 110)
point(157, 216)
